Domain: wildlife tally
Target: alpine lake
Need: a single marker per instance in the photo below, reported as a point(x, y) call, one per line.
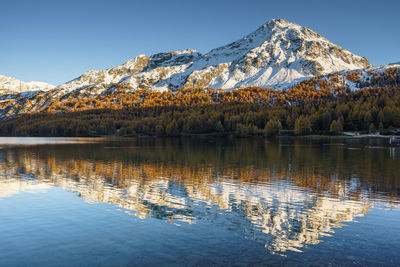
point(199, 202)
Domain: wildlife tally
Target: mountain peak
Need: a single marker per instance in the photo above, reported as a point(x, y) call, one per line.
point(280, 27)
point(275, 24)
point(279, 21)
point(277, 53)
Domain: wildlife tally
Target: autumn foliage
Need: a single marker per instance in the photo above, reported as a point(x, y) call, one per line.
point(318, 105)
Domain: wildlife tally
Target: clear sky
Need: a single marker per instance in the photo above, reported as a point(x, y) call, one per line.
point(56, 41)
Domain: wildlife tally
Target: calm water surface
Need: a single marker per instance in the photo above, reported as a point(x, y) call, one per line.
point(119, 202)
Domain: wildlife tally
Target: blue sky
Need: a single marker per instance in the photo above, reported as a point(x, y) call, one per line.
point(56, 41)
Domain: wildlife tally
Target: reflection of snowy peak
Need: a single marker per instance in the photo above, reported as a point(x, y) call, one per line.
point(12, 85)
point(282, 217)
point(278, 52)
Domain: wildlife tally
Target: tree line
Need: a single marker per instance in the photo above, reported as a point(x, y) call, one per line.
point(242, 112)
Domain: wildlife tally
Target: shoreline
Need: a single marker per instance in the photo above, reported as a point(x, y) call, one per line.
point(229, 135)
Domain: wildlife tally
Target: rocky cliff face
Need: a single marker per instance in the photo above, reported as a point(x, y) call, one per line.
point(276, 54)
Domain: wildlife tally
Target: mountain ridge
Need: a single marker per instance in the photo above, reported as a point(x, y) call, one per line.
point(13, 85)
point(277, 53)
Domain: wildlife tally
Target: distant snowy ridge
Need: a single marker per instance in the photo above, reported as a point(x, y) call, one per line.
point(396, 63)
point(12, 85)
point(279, 52)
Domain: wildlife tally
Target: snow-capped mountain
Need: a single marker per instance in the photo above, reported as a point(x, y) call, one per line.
point(12, 85)
point(277, 53)
point(396, 63)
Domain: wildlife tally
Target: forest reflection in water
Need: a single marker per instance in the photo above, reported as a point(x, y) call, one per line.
point(286, 194)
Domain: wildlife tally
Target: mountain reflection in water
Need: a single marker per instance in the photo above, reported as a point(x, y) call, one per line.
point(284, 194)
